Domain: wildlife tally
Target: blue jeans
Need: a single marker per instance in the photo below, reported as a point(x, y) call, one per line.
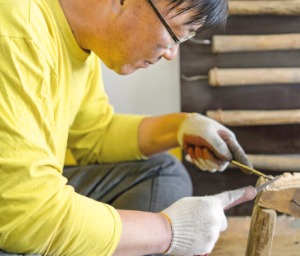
point(150, 185)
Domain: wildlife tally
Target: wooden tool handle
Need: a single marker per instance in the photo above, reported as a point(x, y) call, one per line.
point(255, 117)
point(246, 76)
point(291, 7)
point(239, 43)
point(289, 163)
point(260, 0)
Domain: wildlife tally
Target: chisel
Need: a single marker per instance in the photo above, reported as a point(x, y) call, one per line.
point(251, 192)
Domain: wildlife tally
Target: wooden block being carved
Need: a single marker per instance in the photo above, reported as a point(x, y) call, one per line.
point(283, 195)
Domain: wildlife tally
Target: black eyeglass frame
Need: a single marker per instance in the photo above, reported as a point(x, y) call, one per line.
point(175, 38)
point(165, 24)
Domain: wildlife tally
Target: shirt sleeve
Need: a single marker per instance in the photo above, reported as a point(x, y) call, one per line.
point(39, 213)
point(97, 133)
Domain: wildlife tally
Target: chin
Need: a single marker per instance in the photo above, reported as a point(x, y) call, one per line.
point(125, 70)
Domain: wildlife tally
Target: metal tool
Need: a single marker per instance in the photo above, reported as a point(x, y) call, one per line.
point(247, 168)
point(266, 184)
point(250, 193)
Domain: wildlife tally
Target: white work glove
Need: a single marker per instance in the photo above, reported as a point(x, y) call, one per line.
point(208, 144)
point(197, 221)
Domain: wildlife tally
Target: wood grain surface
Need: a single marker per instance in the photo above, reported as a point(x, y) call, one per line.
point(233, 242)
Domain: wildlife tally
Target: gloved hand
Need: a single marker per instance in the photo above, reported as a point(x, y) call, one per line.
point(197, 221)
point(208, 144)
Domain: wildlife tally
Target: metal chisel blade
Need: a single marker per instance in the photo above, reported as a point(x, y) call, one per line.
point(256, 172)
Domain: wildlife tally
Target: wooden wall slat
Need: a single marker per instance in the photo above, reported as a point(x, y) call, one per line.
point(198, 96)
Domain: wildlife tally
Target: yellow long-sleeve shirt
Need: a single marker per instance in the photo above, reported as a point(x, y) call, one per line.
point(52, 98)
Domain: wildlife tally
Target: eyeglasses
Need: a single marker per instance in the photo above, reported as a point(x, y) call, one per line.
point(177, 40)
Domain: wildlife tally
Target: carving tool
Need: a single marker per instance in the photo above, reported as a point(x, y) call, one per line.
point(288, 7)
point(251, 192)
point(249, 169)
point(255, 117)
point(248, 76)
point(250, 43)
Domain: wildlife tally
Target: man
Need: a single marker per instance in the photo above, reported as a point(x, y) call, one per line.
point(52, 98)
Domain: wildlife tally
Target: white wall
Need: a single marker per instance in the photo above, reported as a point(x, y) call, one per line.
point(151, 91)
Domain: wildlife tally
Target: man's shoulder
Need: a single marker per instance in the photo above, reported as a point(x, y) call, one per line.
point(19, 17)
point(13, 17)
point(30, 23)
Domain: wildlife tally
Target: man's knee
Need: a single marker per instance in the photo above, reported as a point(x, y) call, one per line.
point(171, 184)
point(173, 168)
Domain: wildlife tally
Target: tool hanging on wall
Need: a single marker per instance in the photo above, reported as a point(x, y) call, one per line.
point(260, 0)
point(288, 7)
point(243, 43)
point(286, 162)
point(248, 76)
point(255, 117)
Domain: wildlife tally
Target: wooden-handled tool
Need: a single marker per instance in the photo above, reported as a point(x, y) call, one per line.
point(244, 43)
point(251, 192)
point(287, 162)
point(249, 76)
point(255, 117)
point(291, 7)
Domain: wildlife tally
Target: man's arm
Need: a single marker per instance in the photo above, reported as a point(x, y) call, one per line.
point(157, 134)
point(143, 233)
point(190, 226)
point(207, 144)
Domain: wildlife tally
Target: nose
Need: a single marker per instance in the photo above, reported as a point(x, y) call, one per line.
point(171, 53)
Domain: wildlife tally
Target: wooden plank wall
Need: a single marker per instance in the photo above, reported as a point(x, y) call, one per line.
point(198, 96)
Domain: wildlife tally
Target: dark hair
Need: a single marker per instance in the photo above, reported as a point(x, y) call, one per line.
point(207, 13)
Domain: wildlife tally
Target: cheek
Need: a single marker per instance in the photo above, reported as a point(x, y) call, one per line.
point(140, 50)
point(131, 50)
point(147, 39)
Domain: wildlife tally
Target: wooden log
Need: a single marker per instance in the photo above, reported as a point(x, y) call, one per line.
point(252, 76)
point(283, 195)
point(239, 43)
point(255, 117)
point(264, 7)
point(261, 232)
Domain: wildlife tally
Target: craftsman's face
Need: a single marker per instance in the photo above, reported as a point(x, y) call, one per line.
point(140, 39)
